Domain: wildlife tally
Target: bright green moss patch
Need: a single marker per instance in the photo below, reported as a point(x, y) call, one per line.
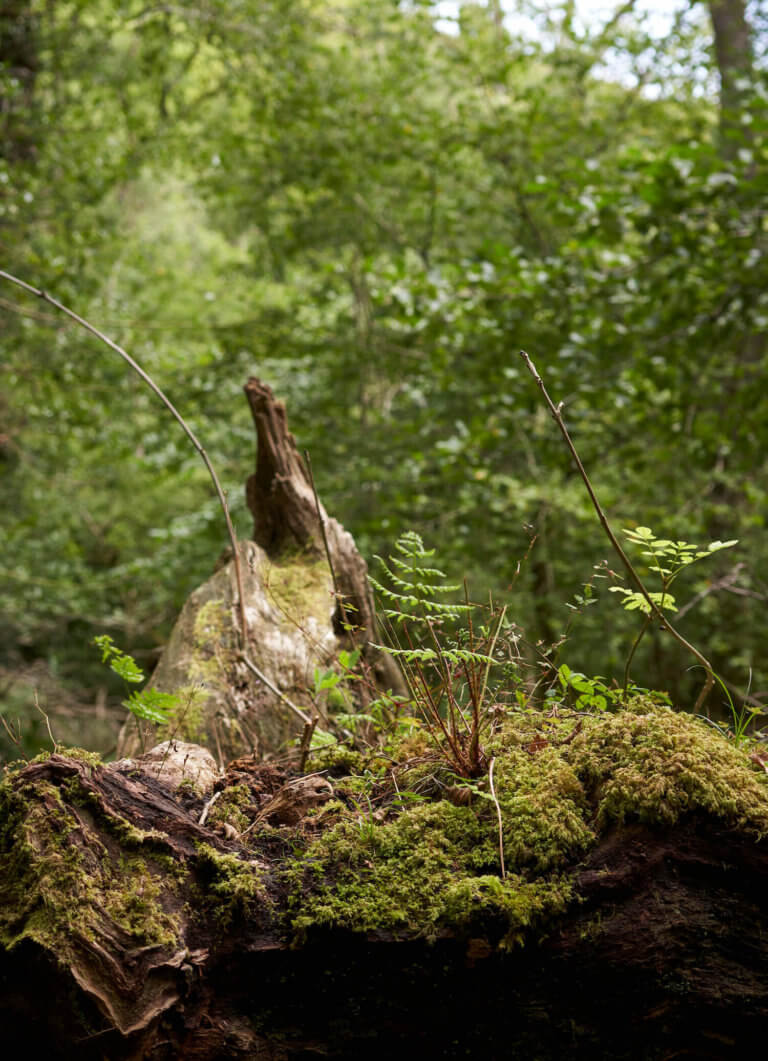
point(231, 887)
point(656, 765)
point(560, 781)
point(435, 866)
point(231, 807)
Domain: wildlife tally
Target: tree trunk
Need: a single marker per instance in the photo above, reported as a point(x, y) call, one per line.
point(301, 614)
point(734, 57)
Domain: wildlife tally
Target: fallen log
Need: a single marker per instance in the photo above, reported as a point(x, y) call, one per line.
point(362, 910)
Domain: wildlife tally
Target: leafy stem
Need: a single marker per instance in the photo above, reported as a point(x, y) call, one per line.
point(651, 599)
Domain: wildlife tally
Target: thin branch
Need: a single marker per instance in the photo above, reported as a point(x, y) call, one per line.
point(632, 651)
point(498, 815)
point(556, 411)
point(274, 689)
point(171, 408)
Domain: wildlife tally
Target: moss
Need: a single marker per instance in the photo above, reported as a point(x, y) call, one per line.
point(410, 867)
point(337, 760)
point(91, 758)
point(59, 879)
point(298, 585)
point(559, 782)
point(655, 765)
point(136, 906)
point(231, 807)
point(230, 887)
point(435, 865)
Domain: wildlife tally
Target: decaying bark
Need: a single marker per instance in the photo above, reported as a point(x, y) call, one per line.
point(300, 613)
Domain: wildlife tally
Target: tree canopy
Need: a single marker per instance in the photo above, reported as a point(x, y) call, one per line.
point(374, 206)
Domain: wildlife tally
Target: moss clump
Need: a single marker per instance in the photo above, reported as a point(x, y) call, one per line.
point(59, 879)
point(230, 887)
point(559, 782)
point(232, 806)
point(655, 765)
point(435, 865)
point(136, 906)
point(337, 760)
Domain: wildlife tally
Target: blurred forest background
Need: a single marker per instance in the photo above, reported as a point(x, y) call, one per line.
point(373, 206)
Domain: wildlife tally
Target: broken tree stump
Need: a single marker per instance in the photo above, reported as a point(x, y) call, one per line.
point(300, 612)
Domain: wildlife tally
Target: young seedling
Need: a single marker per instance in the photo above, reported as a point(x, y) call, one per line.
point(666, 559)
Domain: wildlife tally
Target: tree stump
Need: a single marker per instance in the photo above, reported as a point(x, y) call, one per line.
point(300, 610)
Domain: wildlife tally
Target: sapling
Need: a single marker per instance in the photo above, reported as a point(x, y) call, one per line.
point(666, 559)
point(149, 705)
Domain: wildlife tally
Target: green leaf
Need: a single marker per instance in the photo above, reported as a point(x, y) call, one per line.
point(150, 705)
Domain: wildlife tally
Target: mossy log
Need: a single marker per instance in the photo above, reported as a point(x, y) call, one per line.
point(361, 911)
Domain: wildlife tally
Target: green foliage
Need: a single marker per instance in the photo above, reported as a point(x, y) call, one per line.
point(149, 705)
point(374, 212)
point(667, 559)
point(448, 679)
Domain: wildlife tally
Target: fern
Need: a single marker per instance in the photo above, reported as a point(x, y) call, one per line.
point(448, 679)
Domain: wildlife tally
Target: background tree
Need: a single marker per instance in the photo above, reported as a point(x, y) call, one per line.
point(374, 214)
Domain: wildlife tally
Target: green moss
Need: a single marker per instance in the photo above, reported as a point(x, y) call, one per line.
point(231, 807)
point(413, 868)
point(230, 887)
point(436, 864)
point(337, 759)
point(655, 765)
point(298, 585)
point(59, 880)
point(136, 906)
point(559, 782)
point(91, 758)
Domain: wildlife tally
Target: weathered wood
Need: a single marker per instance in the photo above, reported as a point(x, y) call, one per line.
point(285, 515)
point(297, 621)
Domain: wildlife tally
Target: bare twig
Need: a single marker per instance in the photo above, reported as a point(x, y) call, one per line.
point(306, 741)
point(556, 411)
point(498, 815)
point(632, 651)
point(54, 742)
point(171, 408)
point(15, 737)
point(726, 582)
point(207, 807)
point(274, 689)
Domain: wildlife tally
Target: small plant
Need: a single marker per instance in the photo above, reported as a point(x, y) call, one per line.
point(149, 705)
point(592, 693)
point(448, 679)
point(666, 559)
